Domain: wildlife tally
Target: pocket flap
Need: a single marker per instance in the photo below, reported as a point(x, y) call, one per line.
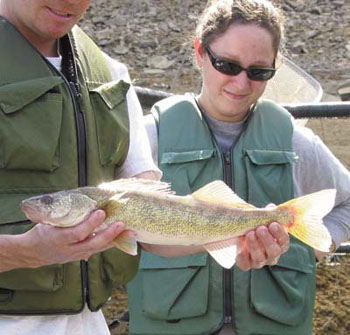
point(297, 258)
point(267, 157)
point(112, 93)
point(151, 261)
point(17, 95)
point(186, 156)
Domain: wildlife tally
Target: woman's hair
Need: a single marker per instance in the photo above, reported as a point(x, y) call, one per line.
point(221, 14)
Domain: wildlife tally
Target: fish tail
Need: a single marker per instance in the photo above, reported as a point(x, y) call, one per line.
point(308, 212)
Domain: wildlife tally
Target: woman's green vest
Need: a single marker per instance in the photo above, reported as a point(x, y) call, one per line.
point(55, 135)
point(189, 295)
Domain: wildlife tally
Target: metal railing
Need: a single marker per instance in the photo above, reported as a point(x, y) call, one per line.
point(149, 97)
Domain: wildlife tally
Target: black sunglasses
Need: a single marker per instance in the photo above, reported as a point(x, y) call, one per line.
point(233, 69)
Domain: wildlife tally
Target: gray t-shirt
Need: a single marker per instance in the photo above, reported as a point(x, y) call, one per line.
point(316, 169)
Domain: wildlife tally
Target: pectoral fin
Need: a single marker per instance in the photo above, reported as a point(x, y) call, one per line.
point(217, 192)
point(127, 242)
point(223, 252)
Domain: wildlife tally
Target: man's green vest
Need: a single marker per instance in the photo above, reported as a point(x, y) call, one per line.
point(191, 295)
point(52, 133)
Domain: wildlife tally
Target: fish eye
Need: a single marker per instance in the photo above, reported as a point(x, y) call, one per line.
point(47, 200)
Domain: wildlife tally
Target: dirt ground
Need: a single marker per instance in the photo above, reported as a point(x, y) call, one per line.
point(152, 38)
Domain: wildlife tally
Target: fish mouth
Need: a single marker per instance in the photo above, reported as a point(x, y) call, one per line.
point(30, 212)
point(36, 215)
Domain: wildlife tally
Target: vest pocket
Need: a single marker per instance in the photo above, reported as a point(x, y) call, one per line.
point(266, 169)
point(30, 124)
point(118, 266)
point(48, 278)
point(183, 168)
point(174, 288)
point(112, 121)
point(285, 292)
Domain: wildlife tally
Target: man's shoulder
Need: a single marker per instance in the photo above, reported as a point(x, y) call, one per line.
point(119, 70)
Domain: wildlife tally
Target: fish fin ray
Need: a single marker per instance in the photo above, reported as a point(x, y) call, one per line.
point(119, 198)
point(223, 253)
point(217, 192)
point(126, 242)
point(308, 223)
point(137, 184)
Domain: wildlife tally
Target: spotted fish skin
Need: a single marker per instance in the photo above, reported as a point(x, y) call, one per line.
point(187, 220)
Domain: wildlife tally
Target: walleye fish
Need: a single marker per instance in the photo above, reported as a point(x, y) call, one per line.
point(212, 214)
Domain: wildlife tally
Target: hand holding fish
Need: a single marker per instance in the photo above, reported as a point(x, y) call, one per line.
point(262, 246)
point(51, 245)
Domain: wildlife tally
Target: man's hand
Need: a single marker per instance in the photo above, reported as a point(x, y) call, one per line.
point(45, 244)
point(262, 246)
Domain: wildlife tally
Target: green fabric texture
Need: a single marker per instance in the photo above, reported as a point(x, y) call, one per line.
point(270, 301)
point(38, 154)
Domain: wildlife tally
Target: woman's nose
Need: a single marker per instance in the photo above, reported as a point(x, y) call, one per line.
point(241, 80)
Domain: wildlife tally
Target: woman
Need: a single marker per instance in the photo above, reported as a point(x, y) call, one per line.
point(227, 132)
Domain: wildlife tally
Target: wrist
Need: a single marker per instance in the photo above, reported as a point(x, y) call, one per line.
point(11, 257)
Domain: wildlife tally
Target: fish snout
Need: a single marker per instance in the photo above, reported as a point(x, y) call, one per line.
point(30, 212)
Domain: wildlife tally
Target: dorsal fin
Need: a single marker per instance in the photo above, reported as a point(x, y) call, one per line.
point(217, 192)
point(137, 184)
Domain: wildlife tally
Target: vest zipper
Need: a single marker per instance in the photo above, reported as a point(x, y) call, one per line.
point(74, 92)
point(81, 142)
point(228, 273)
point(81, 133)
point(82, 165)
point(71, 82)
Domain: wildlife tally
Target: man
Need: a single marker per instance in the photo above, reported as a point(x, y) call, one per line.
point(64, 123)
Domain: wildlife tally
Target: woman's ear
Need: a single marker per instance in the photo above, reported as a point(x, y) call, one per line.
point(199, 52)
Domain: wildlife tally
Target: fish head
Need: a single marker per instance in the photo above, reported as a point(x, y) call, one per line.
point(64, 208)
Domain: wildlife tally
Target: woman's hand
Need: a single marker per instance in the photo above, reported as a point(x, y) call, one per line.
point(262, 246)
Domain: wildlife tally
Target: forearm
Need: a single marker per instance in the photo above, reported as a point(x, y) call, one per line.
point(338, 223)
point(13, 253)
point(320, 254)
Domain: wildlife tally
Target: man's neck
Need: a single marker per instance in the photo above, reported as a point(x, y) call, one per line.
point(46, 48)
